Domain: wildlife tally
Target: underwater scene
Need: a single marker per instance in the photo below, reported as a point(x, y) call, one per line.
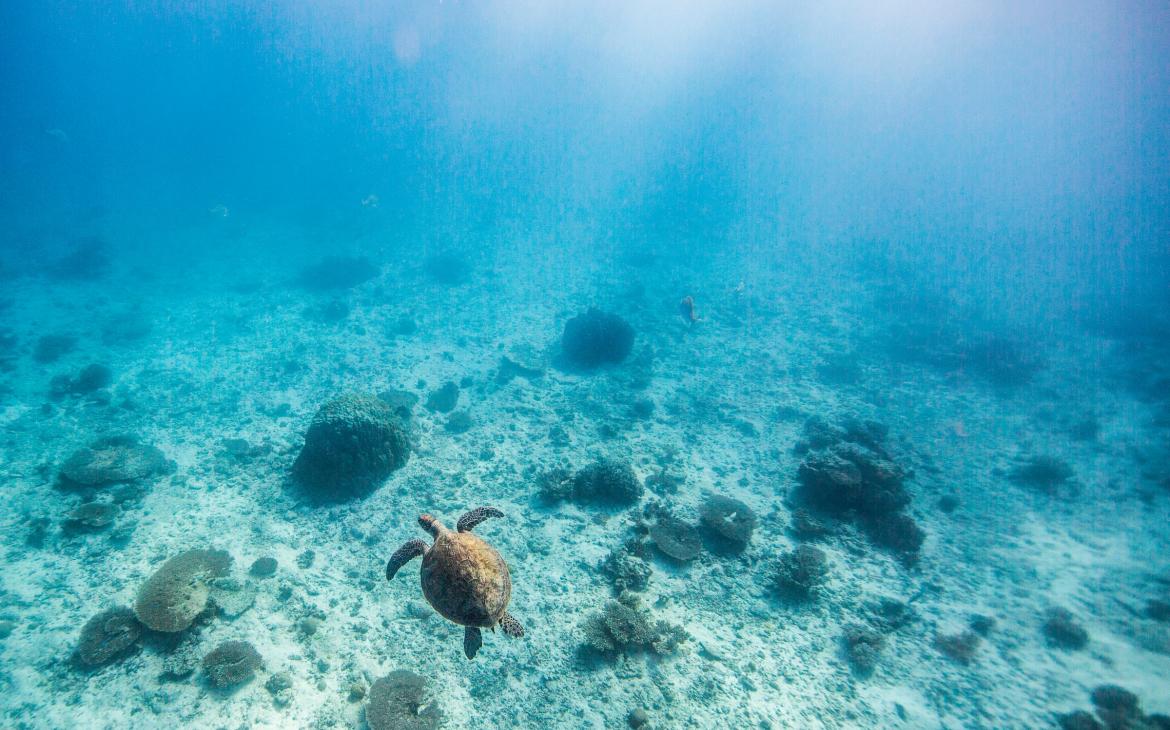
point(644, 364)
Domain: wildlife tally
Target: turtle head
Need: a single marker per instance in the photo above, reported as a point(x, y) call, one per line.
point(430, 524)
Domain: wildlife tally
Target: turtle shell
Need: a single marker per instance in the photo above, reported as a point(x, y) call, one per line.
point(466, 580)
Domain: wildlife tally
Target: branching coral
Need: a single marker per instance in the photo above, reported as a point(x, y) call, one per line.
point(627, 567)
point(863, 646)
point(605, 481)
point(623, 628)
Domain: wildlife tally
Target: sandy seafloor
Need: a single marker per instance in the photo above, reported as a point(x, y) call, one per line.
point(230, 353)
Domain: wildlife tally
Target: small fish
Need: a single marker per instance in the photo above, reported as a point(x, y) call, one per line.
point(219, 211)
point(58, 134)
point(370, 201)
point(687, 309)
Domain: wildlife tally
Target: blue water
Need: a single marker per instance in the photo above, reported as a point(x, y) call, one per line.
point(814, 357)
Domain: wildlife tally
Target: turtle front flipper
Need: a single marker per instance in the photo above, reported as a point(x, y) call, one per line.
point(476, 516)
point(472, 640)
point(403, 555)
point(511, 626)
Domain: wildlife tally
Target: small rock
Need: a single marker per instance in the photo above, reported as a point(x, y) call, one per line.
point(308, 626)
point(357, 692)
point(638, 718)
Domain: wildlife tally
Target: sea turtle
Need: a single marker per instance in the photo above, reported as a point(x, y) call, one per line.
point(463, 577)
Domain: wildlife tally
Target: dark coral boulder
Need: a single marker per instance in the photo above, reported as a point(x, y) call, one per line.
point(1063, 631)
point(1044, 473)
point(89, 379)
point(353, 445)
point(88, 259)
point(1079, 720)
point(607, 481)
point(863, 647)
point(848, 473)
point(337, 272)
point(444, 399)
point(596, 338)
point(51, 348)
point(897, 532)
point(850, 477)
point(801, 573)
point(1117, 707)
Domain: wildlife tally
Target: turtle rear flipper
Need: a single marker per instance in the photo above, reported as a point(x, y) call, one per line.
point(472, 640)
point(476, 516)
point(403, 555)
point(511, 626)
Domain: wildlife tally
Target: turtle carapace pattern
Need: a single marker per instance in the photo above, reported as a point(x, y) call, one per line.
point(463, 578)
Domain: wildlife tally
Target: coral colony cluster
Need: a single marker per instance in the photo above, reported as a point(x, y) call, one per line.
point(658, 540)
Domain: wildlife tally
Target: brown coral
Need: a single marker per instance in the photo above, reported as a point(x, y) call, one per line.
point(675, 538)
point(107, 636)
point(92, 516)
point(729, 519)
point(170, 599)
point(402, 701)
point(114, 459)
point(231, 663)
